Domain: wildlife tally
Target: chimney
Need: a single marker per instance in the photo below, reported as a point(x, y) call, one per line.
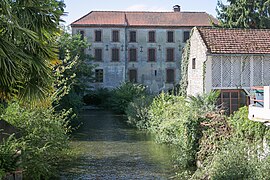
point(176, 8)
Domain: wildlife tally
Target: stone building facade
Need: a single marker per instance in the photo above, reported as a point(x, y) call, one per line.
point(141, 47)
point(229, 60)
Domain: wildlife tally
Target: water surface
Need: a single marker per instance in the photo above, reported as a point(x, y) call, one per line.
point(112, 150)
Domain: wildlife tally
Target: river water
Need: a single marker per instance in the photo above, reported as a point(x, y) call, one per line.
point(112, 150)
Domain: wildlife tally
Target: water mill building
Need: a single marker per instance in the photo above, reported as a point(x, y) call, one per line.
point(141, 47)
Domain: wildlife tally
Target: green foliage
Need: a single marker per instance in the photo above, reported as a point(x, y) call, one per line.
point(10, 155)
point(245, 128)
point(71, 48)
point(27, 45)
point(71, 72)
point(44, 135)
point(238, 159)
point(99, 97)
point(124, 94)
point(137, 112)
point(244, 14)
point(184, 68)
point(175, 121)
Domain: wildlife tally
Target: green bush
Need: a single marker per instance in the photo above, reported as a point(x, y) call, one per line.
point(137, 112)
point(245, 128)
point(125, 94)
point(44, 135)
point(239, 159)
point(10, 155)
point(99, 97)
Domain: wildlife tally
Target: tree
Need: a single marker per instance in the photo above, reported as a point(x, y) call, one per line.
point(75, 71)
point(244, 14)
point(28, 29)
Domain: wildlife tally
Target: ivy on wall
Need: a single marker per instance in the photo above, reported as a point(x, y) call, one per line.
point(184, 68)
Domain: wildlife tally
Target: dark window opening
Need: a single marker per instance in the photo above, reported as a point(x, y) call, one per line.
point(133, 54)
point(151, 36)
point(98, 54)
point(82, 35)
point(98, 36)
point(115, 36)
point(232, 100)
point(115, 54)
point(99, 75)
point(170, 54)
point(133, 75)
point(132, 36)
point(170, 37)
point(155, 72)
point(170, 75)
point(186, 35)
point(151, 54)
point(193, 63)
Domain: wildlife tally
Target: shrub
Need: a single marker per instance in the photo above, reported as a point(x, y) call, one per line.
point(44, 135)
point(10, 155)
point(99, 97)
point(125, 94)
point(137, 112)
point(245, 128)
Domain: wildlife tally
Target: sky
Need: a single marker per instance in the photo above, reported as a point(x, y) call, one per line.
point(78, 8)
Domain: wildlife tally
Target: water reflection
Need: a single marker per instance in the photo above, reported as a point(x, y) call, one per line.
point(111, 150)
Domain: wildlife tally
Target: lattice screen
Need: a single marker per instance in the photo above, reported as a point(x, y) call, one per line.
point(240, 71)
point(266, 71)
point(245, 71)
point(257, 70)
point(226, 71)
point(216, 69)
point(236, 71)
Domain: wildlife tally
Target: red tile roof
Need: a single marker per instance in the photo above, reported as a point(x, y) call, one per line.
point(236, 41)
point(122, 18)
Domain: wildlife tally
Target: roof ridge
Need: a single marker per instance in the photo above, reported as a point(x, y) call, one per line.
point(120, 11)
point(82, 17)
point(231, 29)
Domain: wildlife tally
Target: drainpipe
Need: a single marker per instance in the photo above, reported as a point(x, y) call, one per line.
point(126, 47)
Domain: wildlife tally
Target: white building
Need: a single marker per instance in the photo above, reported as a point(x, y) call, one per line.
point(230, 60)
point(141, 47)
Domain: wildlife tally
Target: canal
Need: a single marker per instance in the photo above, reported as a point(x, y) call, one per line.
point(112, 150)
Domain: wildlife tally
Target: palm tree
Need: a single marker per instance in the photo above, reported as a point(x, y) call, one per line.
point(28, 29)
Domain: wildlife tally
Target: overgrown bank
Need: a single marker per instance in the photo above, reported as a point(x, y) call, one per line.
point(210, 145)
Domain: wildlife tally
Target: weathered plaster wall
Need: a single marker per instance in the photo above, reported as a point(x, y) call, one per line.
point(117, 72)
point(196, 77)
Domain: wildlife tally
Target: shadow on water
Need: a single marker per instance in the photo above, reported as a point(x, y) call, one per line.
point(112, 150)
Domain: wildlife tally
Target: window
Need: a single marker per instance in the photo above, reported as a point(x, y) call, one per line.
point(170, 37)
point(193, 63)
point(98, 54)
point(115, 54)
point(98, 36)
point(151, 54)
point(115, 36)
point(170, 75)
point(132, 54)
point(186, 35)
point(232, 100)
point(151, 36)
point(99, 75)
point(133, 75)
point(82, 34)
point(132, 36)
point(170, 54)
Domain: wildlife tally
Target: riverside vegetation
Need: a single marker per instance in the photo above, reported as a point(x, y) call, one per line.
point(41, 67)
point(209, 144)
